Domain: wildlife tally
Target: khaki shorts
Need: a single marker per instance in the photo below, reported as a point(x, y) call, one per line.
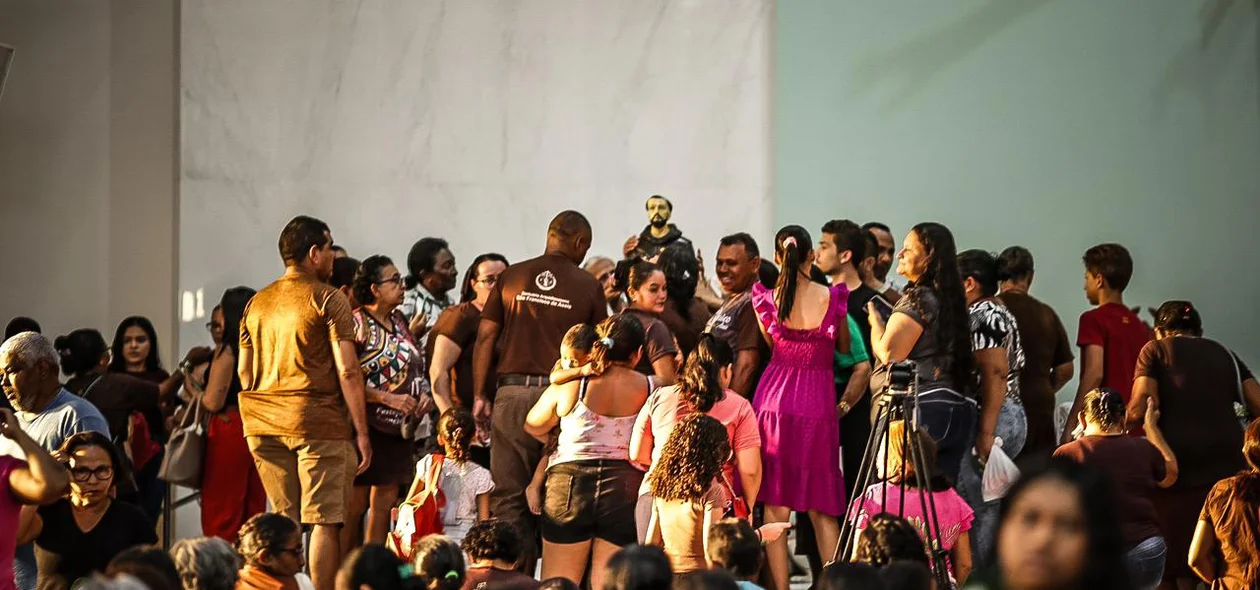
point(308, 480)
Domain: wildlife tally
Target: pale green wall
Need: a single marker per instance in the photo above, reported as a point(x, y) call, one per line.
point(1054, 124)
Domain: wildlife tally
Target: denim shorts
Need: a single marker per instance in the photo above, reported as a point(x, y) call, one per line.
point(592, 499)
point(950, 419)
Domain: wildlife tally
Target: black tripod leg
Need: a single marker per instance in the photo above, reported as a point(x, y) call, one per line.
point(927, 501)
point(848, 527)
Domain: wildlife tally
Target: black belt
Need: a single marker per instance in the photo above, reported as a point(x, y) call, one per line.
point(517, 380)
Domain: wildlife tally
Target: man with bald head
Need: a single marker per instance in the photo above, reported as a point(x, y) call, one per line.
point(530, 308)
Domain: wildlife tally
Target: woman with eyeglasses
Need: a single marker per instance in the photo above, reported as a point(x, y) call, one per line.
point(450, 345)
point(231, 490)
point(397, 394)
point(271, 545)
point(80, 534)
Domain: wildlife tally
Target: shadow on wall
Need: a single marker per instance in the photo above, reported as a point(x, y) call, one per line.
point(921, 60)
point(1201, 67)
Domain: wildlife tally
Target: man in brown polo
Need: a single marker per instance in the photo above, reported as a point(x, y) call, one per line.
point(300, 379)
point(531, 307)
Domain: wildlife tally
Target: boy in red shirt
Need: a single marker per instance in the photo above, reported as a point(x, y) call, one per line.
point(1110, 336)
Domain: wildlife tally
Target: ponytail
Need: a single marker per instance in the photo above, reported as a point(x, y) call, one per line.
point(80, 351)
point(792, 245)
point(701, 384)
point(457, 429)
point(617, 339)
point(1106, 407)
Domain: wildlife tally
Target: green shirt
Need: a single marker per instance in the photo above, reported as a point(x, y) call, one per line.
point(856, 355)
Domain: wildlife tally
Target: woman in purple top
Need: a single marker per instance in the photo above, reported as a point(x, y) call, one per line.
point(795, 401)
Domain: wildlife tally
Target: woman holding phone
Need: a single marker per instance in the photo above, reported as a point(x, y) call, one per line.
point(930, 326)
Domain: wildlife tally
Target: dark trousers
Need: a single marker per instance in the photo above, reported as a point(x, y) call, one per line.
point(514, 455)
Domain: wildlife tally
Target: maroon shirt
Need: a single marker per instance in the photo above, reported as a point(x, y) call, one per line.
point(1136, 467)
point(1121, 334)
point(492, 578)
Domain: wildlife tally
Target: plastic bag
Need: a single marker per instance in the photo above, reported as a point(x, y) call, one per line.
point(1000, 474)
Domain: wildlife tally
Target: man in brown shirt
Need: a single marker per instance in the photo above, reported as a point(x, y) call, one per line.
point(300, 378)
point(1047, 352)
point(738, 260)
point(531, 307)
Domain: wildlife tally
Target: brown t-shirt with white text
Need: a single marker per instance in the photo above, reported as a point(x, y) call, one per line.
point(288, 332)
point(535, 302)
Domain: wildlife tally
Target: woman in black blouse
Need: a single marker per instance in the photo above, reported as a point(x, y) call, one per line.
point(80, 534)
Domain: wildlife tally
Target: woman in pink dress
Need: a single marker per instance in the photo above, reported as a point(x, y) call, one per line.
point(795, 401)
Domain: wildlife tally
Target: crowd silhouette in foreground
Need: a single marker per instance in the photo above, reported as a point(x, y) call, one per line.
point(570, 421)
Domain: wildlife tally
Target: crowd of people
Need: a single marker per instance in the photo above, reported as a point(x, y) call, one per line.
point(624, 424)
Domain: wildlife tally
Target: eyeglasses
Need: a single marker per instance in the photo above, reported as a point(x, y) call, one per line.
point(296, 551)
point(396, 279)
point(83, 474)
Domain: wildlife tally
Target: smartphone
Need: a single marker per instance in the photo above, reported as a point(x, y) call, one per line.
point(882, 306)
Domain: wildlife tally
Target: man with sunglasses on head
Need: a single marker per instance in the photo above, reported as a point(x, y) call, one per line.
point(46, 412)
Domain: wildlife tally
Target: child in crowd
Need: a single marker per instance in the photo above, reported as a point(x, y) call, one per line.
point(574, 363)
point(734, 547)
point(439, 562)
point(687, 500)
point(465, 484)
point(953, 514)
point(1110, 336)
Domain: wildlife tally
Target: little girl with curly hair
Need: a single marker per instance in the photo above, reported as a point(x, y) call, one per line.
point(687, 500)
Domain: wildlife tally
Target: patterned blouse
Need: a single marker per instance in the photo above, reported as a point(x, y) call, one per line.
point(993, 326)
point(391, 362)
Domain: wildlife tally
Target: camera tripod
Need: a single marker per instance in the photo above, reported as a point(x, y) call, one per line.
point(899, 403)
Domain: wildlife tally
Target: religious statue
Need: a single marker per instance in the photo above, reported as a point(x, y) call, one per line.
point(658, 234)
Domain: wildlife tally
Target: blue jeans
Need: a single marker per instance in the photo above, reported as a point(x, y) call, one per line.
point(950, 419)
point(1145, 562)
point(1012, 428)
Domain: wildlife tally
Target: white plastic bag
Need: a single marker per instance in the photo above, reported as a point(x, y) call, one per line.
point(1000, 474)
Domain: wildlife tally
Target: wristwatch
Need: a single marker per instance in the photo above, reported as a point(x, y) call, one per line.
point(844, 407)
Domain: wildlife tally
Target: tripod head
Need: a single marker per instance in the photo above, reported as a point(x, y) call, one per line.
point(903, 379)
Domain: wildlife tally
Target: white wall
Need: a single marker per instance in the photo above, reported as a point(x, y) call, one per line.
point(474, 120)
point(87, 135)
point(1055, 124)
point(54, 165)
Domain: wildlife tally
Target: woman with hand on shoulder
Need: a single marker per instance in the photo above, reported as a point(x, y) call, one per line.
point(80, 534)
point(584, 518)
